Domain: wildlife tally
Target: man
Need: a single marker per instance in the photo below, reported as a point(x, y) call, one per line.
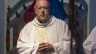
point(90, 42)
point(45, 34)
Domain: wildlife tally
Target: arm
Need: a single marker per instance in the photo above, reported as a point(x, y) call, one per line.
point(90, 41)
point(23, 44)
point(63, 46)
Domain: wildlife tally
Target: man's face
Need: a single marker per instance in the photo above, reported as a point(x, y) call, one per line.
point(42, 10)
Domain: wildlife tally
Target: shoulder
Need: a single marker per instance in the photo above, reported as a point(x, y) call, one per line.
point(29, 25)
point(94, 28)
point(59, 21)
point(93, 32)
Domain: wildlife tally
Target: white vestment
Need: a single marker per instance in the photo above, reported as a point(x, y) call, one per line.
point(57, 33)
point(90, 41)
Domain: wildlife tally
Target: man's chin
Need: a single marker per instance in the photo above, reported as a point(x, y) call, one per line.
point(43, 18)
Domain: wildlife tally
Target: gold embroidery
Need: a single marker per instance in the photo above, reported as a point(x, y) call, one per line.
point(40, 35)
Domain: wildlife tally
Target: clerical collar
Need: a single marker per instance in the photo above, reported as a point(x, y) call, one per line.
point(49, 22)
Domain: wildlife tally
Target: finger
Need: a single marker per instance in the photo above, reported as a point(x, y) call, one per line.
point(44, 48)
point(42, 43)
point(41, 46)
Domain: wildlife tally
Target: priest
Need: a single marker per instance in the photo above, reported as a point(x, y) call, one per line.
point(46, 34)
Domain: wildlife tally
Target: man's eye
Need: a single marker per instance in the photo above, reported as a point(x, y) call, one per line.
point(39, 8)
point(45, 7)
point(42, 7)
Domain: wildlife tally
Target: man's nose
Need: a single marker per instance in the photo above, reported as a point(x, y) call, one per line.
point(42, 10)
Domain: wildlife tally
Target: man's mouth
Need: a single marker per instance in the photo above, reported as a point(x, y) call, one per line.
point(43, 15)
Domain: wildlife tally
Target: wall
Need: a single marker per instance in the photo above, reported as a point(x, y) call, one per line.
point(92, 19)
point(2, 27)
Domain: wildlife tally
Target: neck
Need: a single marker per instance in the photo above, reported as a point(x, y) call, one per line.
point(42, 21)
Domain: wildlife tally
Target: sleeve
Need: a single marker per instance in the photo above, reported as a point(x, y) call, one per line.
point(63, 46)
point(23, 45)
point(89, 42)
point(94, 49)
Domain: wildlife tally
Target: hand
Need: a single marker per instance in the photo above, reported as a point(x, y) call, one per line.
point(45, 46)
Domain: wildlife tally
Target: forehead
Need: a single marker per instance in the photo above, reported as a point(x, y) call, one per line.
point(42, 3)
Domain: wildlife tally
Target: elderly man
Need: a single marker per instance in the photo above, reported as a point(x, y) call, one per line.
point(90, 43)
point(45, 34)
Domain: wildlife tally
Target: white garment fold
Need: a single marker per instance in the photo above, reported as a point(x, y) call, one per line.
point(90, 41)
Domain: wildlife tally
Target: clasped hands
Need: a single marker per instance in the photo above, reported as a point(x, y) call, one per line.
point(45, 46)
